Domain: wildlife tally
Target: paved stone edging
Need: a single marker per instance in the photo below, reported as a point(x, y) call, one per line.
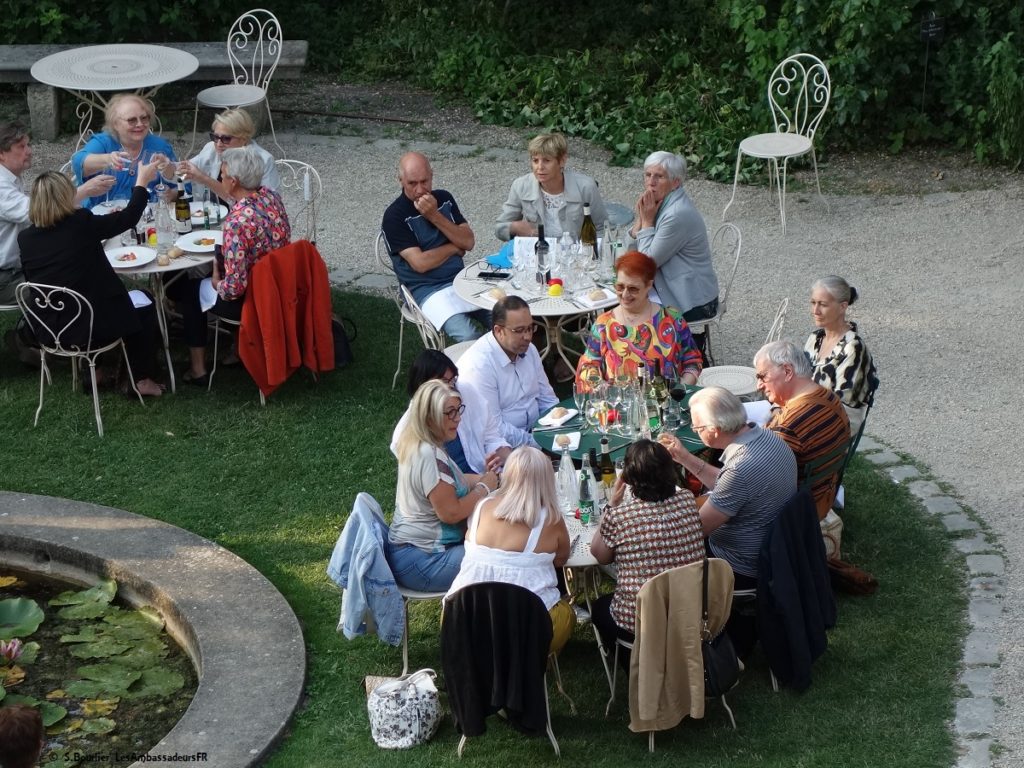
point(241, 634)
point(974, 721)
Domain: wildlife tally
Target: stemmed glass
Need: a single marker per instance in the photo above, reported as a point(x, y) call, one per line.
point(677, 392)
point(579, 396)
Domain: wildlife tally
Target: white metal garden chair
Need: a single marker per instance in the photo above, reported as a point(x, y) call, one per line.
point(798, 94)
point(725, 250)
point(301, 190)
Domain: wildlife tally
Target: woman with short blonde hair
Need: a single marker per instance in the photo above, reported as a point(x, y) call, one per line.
point(232, 129)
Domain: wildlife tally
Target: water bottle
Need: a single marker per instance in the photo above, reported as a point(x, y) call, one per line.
point(566, 483)
point(164, 228)
point(586, 507)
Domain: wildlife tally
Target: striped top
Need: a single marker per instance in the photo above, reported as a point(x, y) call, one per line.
point(649, 537)
point(812, 425)
point(758, 477)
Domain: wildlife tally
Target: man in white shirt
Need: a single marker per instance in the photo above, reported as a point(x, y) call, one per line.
point(505, 368)
point(15, 159)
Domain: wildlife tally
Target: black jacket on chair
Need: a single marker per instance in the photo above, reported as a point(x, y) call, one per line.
point(494, 650)
point(795, 604)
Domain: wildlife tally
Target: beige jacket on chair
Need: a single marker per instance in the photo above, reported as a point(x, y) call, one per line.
point(666, 671)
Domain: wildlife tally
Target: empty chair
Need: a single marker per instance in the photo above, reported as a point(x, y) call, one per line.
point(494, 650)
point(741, 379)
point(409, 311)
point(725, 249)
point(58, 316)
point(254, 48)
point(798, 94)
point(301, 190)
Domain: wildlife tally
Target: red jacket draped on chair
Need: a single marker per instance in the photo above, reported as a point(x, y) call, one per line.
point(286, 318)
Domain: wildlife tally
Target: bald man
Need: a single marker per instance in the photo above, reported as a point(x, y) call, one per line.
point(427, 236)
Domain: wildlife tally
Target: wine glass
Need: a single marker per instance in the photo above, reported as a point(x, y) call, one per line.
point(678, 393)
point(579, 396)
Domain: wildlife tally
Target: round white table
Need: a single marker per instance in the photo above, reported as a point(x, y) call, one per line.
point(89, 71)
point(555, 312)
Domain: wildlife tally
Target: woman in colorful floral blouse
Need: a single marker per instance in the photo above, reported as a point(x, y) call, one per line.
point(256, 225)
point(638, 332)
point(838, 354)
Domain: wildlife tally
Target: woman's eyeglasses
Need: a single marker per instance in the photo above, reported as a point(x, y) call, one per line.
point(454, 413)
point(218, 138)
point(629, 290)
point(139, 120)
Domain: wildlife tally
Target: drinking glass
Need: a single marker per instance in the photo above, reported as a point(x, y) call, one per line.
point(677, 392)
point(579, 396)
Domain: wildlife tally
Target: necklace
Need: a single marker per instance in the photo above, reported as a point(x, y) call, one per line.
point(631, 318)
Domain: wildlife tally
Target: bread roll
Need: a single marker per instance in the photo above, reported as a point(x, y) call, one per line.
point(496, 293)
point(557, 412)
point(562, 440)
point(597, 294)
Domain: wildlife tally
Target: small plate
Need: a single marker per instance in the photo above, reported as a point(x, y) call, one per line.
point(551, 421)
point(111, 206)
point(190, 242)
point(574, 441)
point(143, 255)
point(197, 212)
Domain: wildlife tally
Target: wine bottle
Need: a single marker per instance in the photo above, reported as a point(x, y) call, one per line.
point(588, 232)
point(658, 385)
point(607, 468)
point(541, 249)
point(586, 497)
point(183, 209)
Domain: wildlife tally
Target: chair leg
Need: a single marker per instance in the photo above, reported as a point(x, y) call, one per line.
point(615, 675)
point(728, 710)
point(95, 396)
point(216, 346)
point(604, 653)
point(462, 745)
point(817, 182)
point(401, 335)
point(270, 119)
point(735, 179)
point(131, 376)
point(775, 681)
point(782, 194)
point(547, 707)
point(195, 123)
point(44, 376)
point(553, 661)
point(650, 742)
point(405, 645)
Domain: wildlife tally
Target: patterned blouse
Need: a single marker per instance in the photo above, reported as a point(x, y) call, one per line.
point(255, 226)
point(666, 338)
point(847, 370)
point(649, 537)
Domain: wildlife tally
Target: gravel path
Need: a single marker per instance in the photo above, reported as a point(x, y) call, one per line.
point(937, 275)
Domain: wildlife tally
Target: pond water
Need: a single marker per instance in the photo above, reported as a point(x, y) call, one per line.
point(122, 680)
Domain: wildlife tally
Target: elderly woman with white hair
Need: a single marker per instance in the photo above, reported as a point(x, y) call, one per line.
point(517, 536)
point(232, 129)
point(670, 230)
point(256, 224)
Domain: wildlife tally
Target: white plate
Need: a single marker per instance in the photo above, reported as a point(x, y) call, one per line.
point(550, 421)
point(112, 206)
point(188, 242)
point(197, 212)
point(739, 379)
point(143, 255)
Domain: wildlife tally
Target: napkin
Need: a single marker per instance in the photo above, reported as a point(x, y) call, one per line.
point(557, 421)
point(586, 301)
point(574, 441)
point(503, 258)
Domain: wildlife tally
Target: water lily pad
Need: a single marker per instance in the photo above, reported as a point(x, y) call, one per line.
point(102, 648)
point(156, 682)
point(141, 658)
point(145, 618)
point(29, 653)
point(57, 693)
point(86, 634)
point(102, 593)
point(52, 713)
point(99, 725)
point(92, 689)
point(3, 693)
point(17, 698)
point(99, 707)
point(8, 581)
point(11, 675)
point(19, 617)
point(108, 673)
point(84, 611)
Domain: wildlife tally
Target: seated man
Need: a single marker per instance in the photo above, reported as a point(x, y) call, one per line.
point(758, 476)
point(810, 418)
point(427, 236)
point(505, 368)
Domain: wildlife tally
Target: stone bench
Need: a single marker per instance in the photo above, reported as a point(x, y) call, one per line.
point(44, 101)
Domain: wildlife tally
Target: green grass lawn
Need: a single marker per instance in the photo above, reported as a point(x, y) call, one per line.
point(275, 484)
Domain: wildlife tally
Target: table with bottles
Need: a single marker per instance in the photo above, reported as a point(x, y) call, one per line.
point(583, 287)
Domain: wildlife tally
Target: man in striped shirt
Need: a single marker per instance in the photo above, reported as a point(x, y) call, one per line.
point(809, 417)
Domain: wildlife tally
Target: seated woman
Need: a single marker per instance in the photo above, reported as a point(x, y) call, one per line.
point(231, 129)
point(670, 230)
point(638, 332)
point(840, 359)
point(256, 225)
point(64, 246)
point(518, 536)
point(478, 446)
point(126, 141)
point(550, 195)
point(658, 528)
point(434, 497)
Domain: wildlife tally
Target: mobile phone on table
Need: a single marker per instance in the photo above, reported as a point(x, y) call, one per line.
point(495, 275)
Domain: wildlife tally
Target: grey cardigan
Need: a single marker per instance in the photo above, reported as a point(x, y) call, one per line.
point(678, 242)
point(525, 201)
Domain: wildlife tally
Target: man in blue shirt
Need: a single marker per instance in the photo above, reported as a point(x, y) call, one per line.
point(427, 236)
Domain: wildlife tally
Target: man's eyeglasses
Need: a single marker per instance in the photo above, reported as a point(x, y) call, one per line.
point(701, 428)
point(139, 120)
point(454, 413)
point(520, 331)
point(218, 138)
point(629, 290)
point(762, 377)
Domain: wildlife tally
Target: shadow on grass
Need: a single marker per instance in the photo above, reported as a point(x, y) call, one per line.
point(275, 484)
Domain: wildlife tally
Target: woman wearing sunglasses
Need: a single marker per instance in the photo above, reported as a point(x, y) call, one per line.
point(231, 129)
point(638, 332)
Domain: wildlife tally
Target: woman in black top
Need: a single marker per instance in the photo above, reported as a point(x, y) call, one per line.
point(64, 246)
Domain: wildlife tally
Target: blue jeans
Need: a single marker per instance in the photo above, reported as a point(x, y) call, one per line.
point(461, 327)
point(424, 571)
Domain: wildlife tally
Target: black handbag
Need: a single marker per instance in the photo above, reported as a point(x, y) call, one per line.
point(721, 667)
